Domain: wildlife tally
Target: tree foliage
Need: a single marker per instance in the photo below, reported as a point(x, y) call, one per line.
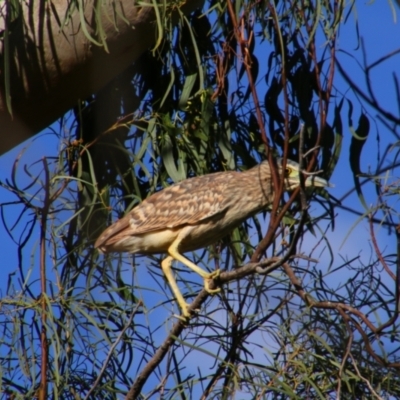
point(224, 88)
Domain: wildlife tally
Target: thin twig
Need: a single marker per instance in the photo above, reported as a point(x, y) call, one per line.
point(112, 348)
point(42, 393)
point(368, 383)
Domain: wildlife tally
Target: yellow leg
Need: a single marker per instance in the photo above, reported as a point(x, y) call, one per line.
point(166, 267)
point(207, 276)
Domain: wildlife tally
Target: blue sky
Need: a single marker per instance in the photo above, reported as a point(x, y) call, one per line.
point(381, 35)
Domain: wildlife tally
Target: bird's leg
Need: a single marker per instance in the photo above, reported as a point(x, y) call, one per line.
point(166, 267)
point(207, 276)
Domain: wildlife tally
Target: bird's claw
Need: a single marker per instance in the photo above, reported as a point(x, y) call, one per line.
point(209, 279)
point(185, 307)
point(186, 313)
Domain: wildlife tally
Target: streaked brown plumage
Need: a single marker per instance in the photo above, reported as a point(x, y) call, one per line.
point(195, 213)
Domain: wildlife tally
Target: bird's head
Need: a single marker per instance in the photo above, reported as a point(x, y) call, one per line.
point(292, 176)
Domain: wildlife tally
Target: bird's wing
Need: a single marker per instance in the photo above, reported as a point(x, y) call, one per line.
point(185, 203)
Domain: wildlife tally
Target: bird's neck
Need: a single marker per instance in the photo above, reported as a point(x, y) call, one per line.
point(261, 185)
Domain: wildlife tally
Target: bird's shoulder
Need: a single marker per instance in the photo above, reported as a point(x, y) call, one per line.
point(195, 186)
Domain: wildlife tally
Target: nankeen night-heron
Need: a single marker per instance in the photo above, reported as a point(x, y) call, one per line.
point(195, 213)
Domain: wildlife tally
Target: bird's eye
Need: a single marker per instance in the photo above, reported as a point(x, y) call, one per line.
point(288, 171)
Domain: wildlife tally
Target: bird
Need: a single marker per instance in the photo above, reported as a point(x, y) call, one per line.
point(195, 213)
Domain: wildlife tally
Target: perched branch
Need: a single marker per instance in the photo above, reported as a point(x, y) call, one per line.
point(180, 325)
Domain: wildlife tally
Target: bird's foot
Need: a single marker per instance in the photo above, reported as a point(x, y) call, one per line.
point(186, 317)
point(186, 312)
point(182, 318)
point(209, 279)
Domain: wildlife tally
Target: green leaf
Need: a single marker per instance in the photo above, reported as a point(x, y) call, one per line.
point(124, 290)
point(176, 173)
point(187, 89)
point(358, 141)
point(224, 145)
point(338, 131)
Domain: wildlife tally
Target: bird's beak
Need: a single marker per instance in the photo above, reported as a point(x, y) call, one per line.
point(315, 181)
